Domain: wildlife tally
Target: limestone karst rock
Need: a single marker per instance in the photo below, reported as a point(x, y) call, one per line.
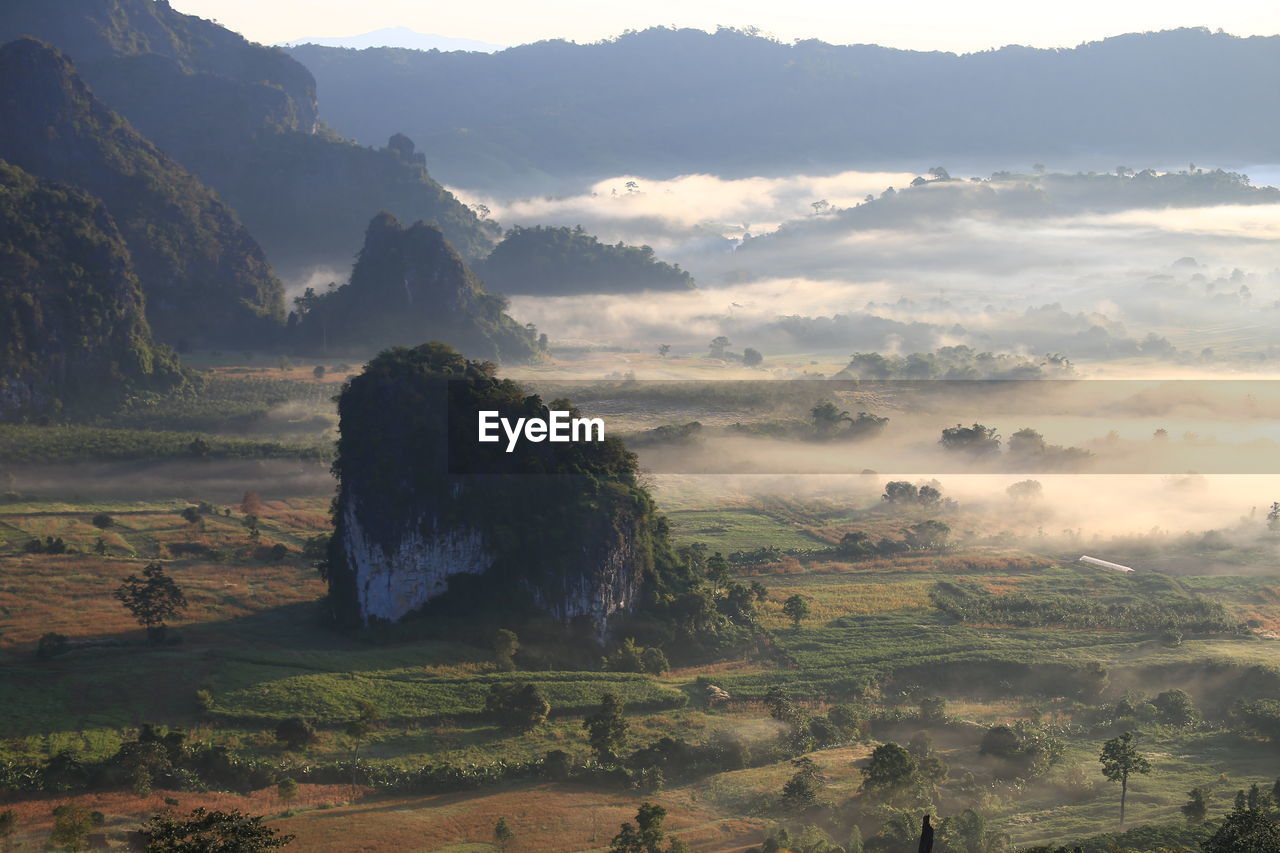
point(424, 511)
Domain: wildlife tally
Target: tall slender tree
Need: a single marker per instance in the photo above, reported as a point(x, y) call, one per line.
point(1121, 759)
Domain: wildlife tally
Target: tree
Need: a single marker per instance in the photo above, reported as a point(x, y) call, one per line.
point(71, 825)
point(718, 570)
point(557, 765)
point(802, 789)
point(976, 440)
point(102, 521)
point(1176, 708)
point(607, 729)
point(664, 350)
point(1197, 807)
point(251, 504)
point(211, 832)
point(827, 417)
point(891, 769)
point(1245, 830)
point(718, 346)
point(752, 357)
point(319, 371)
point(51, 645)
point(1025, 490)
point(856, 543)
point(287, 789)
point(654, 661)
point(782, 708)
point(295, 733)
point(928, 535)
point(517, 707)
point(505, 646)
point(929, 496)
point(152, 599)
point(366, 715)
point(502, 833)
point(142, 761)
point(1120, 759)
point(847, 719)
point(933, 709)
point(796, 609)
point(900, 491)
point(646, 834)
point(1027, 442)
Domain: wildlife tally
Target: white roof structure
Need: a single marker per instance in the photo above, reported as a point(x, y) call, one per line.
point(1094, 561)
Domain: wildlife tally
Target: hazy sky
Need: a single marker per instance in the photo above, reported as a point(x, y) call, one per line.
point(914, 24)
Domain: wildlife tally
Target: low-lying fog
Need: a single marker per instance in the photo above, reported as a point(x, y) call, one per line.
point(1072, 511)
point(960, 264)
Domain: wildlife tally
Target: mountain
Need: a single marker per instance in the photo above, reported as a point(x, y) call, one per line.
point(165, 70)
point(205, 279)
point(73, 335)
point(424, 518)
point(548, 261)
point(242, 117)
point(409, 285)
point(665, 102)
point(401, 37)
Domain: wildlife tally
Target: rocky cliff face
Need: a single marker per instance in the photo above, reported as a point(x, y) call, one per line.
point(397, 574)
point(424, 517)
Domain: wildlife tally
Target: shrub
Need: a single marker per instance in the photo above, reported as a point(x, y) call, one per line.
point(51, 645)
point(654, 662)
point(295, 733)
point(519, 707)
point(557, 766)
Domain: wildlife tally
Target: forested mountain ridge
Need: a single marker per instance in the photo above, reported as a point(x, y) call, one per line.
point(242, 117)
point(205, 278)
point(410, 285)
point(162, 68)
point(73, 337)
point(665, 102)
point(549, 261)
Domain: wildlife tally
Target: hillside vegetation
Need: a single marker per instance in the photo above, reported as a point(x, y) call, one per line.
point(73, 335)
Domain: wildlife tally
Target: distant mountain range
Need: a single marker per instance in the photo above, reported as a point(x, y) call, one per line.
point(546, 117)
point(400, 37)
